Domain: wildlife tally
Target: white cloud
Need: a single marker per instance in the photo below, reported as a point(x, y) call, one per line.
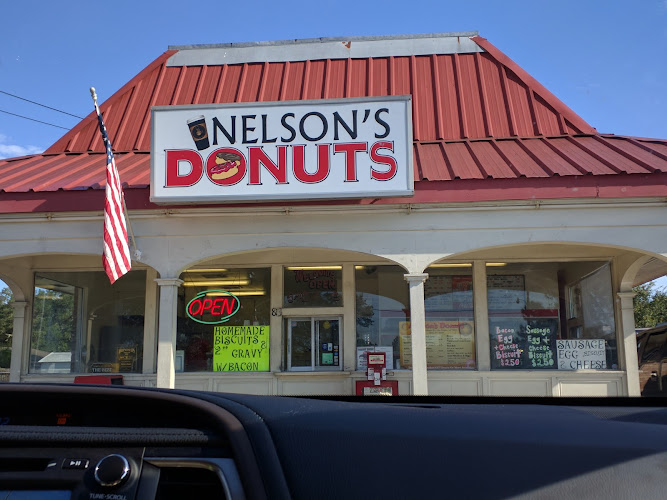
point(8, 150)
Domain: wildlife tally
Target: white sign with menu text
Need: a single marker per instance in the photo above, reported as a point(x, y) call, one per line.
point(320, 149)
point(581, 354)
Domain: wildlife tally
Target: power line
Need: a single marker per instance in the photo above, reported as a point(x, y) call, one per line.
point(42, 105)
point(32, 119)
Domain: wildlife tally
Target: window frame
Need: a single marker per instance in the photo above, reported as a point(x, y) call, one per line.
point(314, 338)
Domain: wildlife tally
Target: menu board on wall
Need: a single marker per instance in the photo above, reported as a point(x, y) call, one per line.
point(506, 292)
point(521, 343)
point(448, 293)
point(240, 348)
point(449, 344)
point(582, 354)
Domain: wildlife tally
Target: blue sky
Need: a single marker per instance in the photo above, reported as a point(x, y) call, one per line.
point(605, 59)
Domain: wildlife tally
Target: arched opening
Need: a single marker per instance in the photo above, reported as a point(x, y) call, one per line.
point(554, 306)
point(288, 310)
point(75, 321)
point(645, 280)
point(549, 306)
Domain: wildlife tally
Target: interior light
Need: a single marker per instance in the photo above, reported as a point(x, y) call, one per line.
point(238, 294)
point(496, 264)
point(197, 270)
point(314, 268)
point(450, 265)
point(217, 283)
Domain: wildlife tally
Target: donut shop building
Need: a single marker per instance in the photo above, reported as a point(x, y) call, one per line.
point(298, 205)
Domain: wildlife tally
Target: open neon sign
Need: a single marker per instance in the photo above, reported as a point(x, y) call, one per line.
point(212, 307)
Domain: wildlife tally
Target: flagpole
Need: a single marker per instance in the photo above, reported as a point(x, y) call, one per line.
point(137, 253)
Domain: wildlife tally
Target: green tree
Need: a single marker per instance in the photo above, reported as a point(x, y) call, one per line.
point(650, 306)
point(53, 323)
point(6, 327)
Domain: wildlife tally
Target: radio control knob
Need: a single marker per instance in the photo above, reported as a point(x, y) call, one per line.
point(112, 470)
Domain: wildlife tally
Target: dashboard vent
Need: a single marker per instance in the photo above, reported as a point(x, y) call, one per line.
point(177, 483)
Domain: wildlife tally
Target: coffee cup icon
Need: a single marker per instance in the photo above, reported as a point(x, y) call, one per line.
point(197, 126)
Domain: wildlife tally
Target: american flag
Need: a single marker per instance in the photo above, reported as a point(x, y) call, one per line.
point(116, 257)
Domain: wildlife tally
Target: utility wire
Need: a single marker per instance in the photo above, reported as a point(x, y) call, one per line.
point(42, 105)
point(32, 119)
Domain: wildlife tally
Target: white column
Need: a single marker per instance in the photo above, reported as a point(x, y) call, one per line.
point(418, 329)
point(276, 321)
point(629, 351)
point(348, 339)
point(482, 340)
point(17, 341)
point(166, 337)
point(150, 322)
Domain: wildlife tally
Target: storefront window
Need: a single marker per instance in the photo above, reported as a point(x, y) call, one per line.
point(383, 315)
point(450, 323)
point(313, 286)
point(223, 320)
point(81, 324)
point(551, 316)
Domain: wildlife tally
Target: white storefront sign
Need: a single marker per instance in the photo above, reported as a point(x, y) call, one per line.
point(298, 150)
point(582, 354)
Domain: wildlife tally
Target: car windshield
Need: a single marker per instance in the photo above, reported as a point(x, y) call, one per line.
point(408, 214)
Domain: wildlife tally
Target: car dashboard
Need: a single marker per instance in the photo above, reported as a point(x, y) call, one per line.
point(123, 443)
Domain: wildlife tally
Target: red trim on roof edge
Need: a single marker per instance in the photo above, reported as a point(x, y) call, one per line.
point(60, 146)
point(549, 98)
point(452, 191)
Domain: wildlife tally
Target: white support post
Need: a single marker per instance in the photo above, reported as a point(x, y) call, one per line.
point(348, 338)
point(482, 340)
point(17, 341)
point(150, 323)
point(276, 320)
point(166, 338)
point(630, 364)
point(418, 332)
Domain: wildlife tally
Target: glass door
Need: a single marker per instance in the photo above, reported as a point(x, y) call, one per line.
point(300, 344)
point(327, 335)
point(313, 343)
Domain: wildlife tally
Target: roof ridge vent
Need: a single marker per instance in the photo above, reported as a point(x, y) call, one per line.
point(324, 48)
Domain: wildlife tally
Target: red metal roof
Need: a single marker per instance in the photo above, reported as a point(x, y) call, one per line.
point(535, 157)
point(476, 116)
point(455, 96)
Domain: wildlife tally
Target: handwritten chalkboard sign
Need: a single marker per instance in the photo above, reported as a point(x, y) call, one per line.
point(523, 343)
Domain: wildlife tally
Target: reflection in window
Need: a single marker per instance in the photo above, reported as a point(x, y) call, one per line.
point(382, 314)
point(450, 324)
point(551, 316)
point(81, 324)
point(223, 320)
